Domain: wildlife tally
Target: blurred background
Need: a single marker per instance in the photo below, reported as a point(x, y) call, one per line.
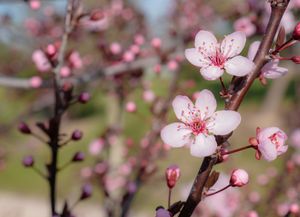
point(161, 30)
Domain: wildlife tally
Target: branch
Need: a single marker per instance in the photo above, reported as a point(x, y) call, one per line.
point(240, 87)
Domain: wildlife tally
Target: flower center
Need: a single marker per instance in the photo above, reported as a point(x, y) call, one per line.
point(275, 139)
point(198, 127)
point(218, 59)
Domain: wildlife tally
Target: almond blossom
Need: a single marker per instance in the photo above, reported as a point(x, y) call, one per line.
point(271, 142)
point(213, 57)
point(271, 70)
point(199, 123)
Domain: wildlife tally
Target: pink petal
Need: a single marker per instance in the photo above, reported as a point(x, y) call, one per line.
point(265, 133)
point(272, 71)
point(195, 57)
point(233, 44)
point(203, 146)
point(183, 106)
point(206, 41)
point(268, 150)
point(224, 122)
point(175, 135)
point(206, 103)
point(211, 72)
point(253, 50)
point(282, 149)
point(239, 66)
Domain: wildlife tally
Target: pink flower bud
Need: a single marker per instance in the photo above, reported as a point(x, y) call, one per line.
point(96, 146)
point(35, 81)
point(78, 157)
point(296, 33)
point(130, 106)
point(28, 161)
point(86, 192)
point(128, 56)
point(294, 208)
point(41, 61)
point(76, 135)
point(139, 40)
point(295, 138)
point(96, 15)
point(172, 175)
point(84, 97)
point(157, 68)
point(65, 71)
point(239, 178)
point(156, 43)
point(161, 212)
point(252, 214)
point(24, 128)
point(148, 96)
point(75, 60)
point(296, 59)
point(135, 49)
point(34, 4)
point(115, 48)
point(51, 50)
point(172, 65)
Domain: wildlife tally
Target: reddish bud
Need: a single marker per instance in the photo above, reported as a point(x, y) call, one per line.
point(296, 33)
point(78, 157)
point(28, 161)
point(84, 97)
point(239, 178)
point(294, 208)
point(86, 192)
point(24, 128)
point(296, 59)
point(172, 175)
point(253, 141)
point(76, 135)
point(96, 15)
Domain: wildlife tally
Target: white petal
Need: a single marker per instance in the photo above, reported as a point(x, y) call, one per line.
point(224, 122)
point(183, 106)
point(211, 72)
point(239, 66)
point(206, 103)
point(203, 146)
point(271, 70)
point(206, 42)
point(253, 50)
point(265, 133)
point(268, 150)
point(195, 57)
point(233, 44)
point(175, 135)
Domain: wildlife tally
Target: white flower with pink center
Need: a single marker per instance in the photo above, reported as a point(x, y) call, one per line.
point(199, 123)
point(271, 142)
point(213, 58)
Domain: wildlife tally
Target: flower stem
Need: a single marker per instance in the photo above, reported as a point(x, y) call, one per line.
point(237, 150)
point(222, 189)
point(169, 197)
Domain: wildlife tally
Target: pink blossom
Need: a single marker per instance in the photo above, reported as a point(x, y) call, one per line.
point(294, 208)
point(130, 106)
point(199, 123)
point(252, 214)
point(213, 57)
point(295, 138)
point(34, 4)
point(245, 25)
point(115, 48)
point(35, 81)
point(128, 56)
point(157, 68)
point(75, 60)
point(172, 65)
point(95, 25)
point(139, 40)
point(96, 146)
point(148, 96)
point(239, 178)
point(271, 142)
point(41, 61)
point(156, 43)
point(65, 71)
point(86, 172)
point(271, 70)
point(282, 209)
point(135, 49)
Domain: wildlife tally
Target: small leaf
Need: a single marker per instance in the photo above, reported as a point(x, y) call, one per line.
point(212, 179)
point(281, 37)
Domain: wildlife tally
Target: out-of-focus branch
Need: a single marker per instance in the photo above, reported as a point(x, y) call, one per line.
point(239, 87)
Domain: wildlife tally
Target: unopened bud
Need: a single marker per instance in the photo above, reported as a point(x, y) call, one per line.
point(296, 33)
point(172, 175)
point(239, 178)
point(78, 157)
point(96, 15)
point(84, 97)
point(24, 128)
point(76, 135)
point(161, 212)
point(86, 192)
point(28, 161)
point(296, 59)
point(294, 208)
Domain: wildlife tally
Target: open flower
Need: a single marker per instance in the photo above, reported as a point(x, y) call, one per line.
point(271, 70)
point(199, 123)
point(271, 142)
point(213, 58)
